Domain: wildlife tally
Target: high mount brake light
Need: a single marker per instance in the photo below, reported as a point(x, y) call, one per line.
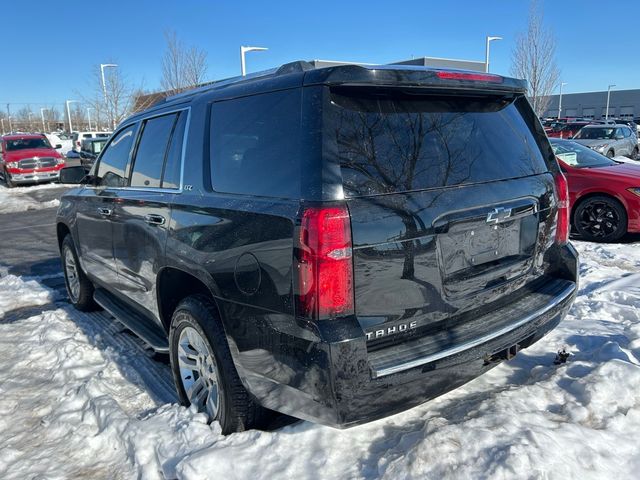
point(474, 77)
point(562, 196)
point(325, 269)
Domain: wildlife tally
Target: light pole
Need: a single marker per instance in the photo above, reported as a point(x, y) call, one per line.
point(2, 122)
point(69, 114)
point(42, 117)
point(30, 124)
point(89, 117)
point(562, 84)
point(606, 114)
point(243, 51)
point(104, 90)
point(10, 127)
point(486, 52)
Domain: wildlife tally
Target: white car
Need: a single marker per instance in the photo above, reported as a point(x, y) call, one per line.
point(77, 138)
point(55, 139)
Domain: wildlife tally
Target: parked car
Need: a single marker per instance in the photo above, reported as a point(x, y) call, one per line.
point(610, 140)
point(66, 144)
point(635, 128)
point(28, 158)
point(91, 148)
point(337, 244)
point(568, 130)
point(604, 194)
point(77, 138)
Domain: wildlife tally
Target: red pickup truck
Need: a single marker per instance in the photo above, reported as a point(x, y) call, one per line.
point(28, 158)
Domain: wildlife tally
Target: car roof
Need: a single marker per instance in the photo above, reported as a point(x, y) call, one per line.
point(302, 73)
point(18, 136)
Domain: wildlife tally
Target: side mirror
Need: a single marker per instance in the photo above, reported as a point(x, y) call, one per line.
point(73, 175)
point(58, 146)
point(619, 137)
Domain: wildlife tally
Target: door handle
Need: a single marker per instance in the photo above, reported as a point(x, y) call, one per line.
point(152, 219)
point(105, 212)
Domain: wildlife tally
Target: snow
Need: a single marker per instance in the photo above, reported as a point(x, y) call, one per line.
point(18, 199)
point(79, 397)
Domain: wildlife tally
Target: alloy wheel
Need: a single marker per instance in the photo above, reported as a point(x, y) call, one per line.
point(71, 273)
point(198, 371)
point(599, 219)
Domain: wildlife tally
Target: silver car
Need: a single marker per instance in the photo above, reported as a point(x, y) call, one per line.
point(610, 140)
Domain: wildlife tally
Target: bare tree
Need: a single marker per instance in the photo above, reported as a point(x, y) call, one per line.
point(182, 67)
point(534, 60)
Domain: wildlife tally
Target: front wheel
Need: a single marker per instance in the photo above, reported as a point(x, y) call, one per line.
point(610, 154)
point(79, 287)
point(634, 154)
point(600, 219)
point(203, 369)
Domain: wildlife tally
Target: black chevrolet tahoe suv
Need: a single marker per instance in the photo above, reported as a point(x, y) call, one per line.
point(337, 244)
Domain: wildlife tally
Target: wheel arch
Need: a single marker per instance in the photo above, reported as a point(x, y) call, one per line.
point(62, 230)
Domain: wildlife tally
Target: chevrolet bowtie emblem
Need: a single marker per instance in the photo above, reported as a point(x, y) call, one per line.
point(498, 215)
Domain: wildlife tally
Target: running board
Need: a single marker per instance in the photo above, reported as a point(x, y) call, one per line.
point(151, 333)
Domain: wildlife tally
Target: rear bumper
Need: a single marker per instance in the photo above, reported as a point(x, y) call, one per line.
point(335, 381)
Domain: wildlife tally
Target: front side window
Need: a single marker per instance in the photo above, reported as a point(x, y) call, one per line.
point(114, 160)
point(255, 144)
point(152, 149)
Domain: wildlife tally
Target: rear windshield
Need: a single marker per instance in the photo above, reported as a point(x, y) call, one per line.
point(393, 142)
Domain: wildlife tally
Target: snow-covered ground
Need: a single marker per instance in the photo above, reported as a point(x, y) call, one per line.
point(21, 199)
point(80, 398)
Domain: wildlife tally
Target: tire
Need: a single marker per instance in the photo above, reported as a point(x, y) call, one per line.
point(196, 331)
point(610, 154)
point(600, 219)
point(634, 154)
point(80, 293)
point(7, 180)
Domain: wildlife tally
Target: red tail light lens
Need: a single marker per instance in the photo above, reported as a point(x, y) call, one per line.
point(474, 77)
point(562, 196)
point(325, 269)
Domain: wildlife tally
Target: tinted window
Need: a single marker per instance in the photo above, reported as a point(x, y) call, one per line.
point(255, 144)
point(392, 142)
point(173, 163)
point(113, 163)
point(147, 168)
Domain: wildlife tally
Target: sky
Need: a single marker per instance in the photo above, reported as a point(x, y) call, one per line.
point(49, 48)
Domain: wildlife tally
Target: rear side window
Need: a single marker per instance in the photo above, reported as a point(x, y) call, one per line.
point(114, 160)
point(392, 142)
point(150, 156)
point(173, 163)
point(255, 144)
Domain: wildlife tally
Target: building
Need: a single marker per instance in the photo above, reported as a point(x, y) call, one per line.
point(622, 104)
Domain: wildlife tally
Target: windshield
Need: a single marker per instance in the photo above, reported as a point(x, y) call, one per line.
point(600, 133)
point(579, 156)
point(26, 143)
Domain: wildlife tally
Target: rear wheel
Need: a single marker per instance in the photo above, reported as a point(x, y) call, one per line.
point(79, 287)
point(203, 369)
point(600, 219)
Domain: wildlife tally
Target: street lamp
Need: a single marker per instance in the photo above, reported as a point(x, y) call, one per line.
point(486, 52)
point(606, 115)
point(562, 84)
point(89, 117)
point(10, 127)
point(69, 114)
point(2, 122)
point(42, 117)
point(243, 50)
point(104, 89)
point(30, 124)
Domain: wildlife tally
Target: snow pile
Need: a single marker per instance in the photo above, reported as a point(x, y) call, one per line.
point(74, 402)
point(18, 199)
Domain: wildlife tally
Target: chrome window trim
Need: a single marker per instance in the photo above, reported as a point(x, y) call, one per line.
point(183, 153)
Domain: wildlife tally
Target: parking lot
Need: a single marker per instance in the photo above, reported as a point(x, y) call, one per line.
point(80, 387)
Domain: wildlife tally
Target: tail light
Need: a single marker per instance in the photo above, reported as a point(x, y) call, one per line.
point(562, 196)
point(325, 269)
point(474, 77)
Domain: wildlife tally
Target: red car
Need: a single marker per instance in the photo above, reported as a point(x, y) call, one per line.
point(568, 130)
point(28, 159)
point(604, 195)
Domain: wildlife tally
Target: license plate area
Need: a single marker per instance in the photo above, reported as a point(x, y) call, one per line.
point(477, 252)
